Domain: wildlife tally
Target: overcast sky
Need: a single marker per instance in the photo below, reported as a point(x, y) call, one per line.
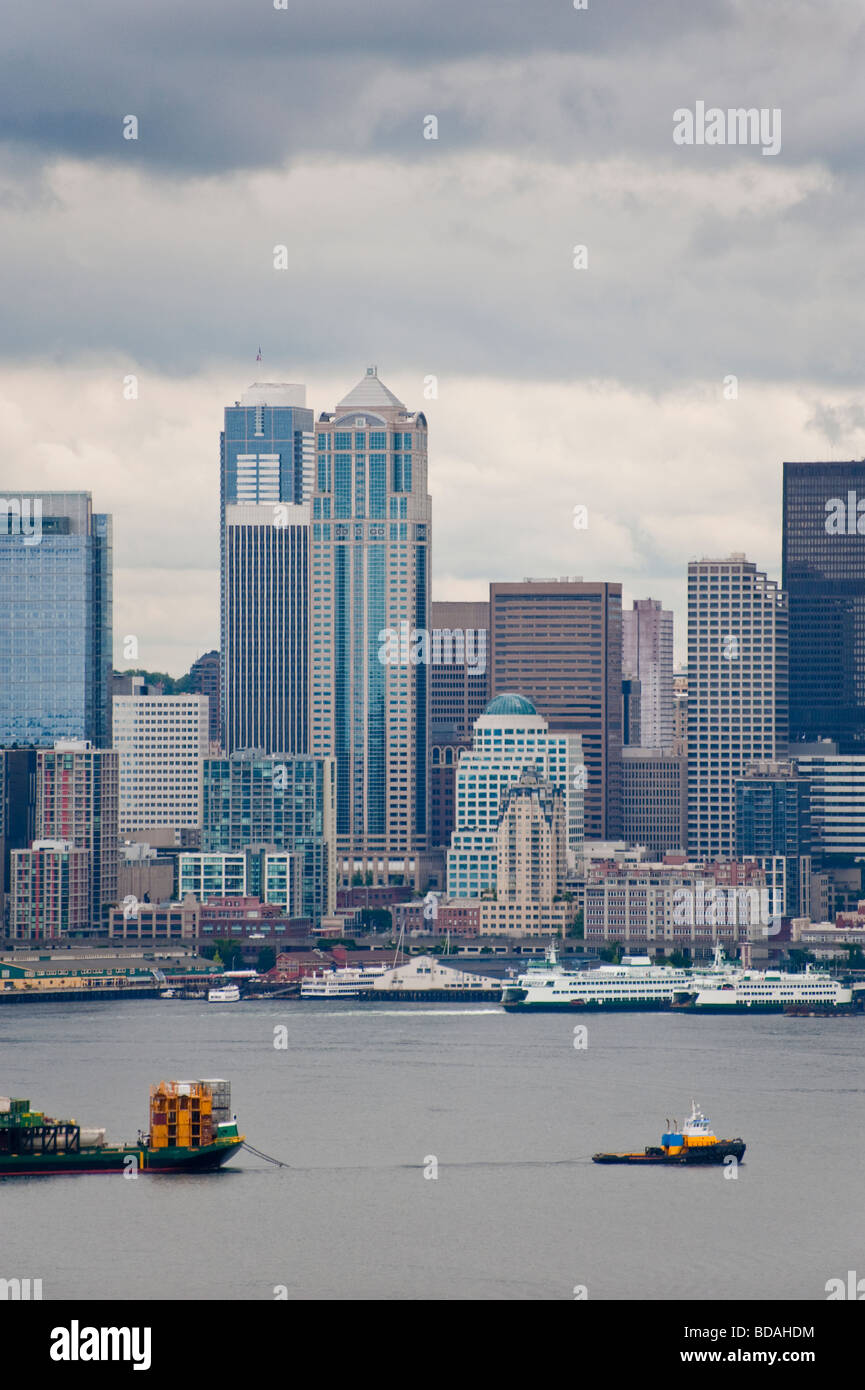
point(453, 257)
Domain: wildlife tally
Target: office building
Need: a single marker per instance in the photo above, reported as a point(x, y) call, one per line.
point(647, 656)
point(161, 742)
point(269, 875)
point(823, 573)
point(55, 619)
point(205, 678)
point(559, 642)
point(371, 647)
point(459, 694)
point(266, 475)
point(737, 691)
point(654, 800)
point(509, 737)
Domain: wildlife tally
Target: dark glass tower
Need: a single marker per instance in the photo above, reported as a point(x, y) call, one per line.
point(824, 576)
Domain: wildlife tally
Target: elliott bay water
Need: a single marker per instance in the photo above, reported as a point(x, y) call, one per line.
point(364, 1095)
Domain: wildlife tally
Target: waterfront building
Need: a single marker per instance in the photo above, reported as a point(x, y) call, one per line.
point(823, 573)
point(737, 691)
point(370, 667)
point(77, 800)
point(559, 642)
point(266, 460)
point(55, 619)
point(678, 905)
point(161, 742)
point(155, 922)
point(49, 894)
point(647, 656)
point(288, 801)
point(509, 737)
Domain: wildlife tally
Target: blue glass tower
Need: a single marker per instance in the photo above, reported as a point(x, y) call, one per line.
point(266, 466)
point(55, 619)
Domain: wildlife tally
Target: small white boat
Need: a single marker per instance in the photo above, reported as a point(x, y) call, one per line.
point(167, 994)
point(224, 994)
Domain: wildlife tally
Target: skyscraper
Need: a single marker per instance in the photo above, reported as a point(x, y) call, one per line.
point(370, 597)
point(55, 619)
point(266, 451)
point(459, 694)
point(823, 572)
point(737, 691)
point(559, 642)
point(647, 656)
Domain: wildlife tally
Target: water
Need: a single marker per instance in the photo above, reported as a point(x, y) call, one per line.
point(364, 1096)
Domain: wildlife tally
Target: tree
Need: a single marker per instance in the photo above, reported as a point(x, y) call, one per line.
point(576, 927)
point(375, 919)
point(612, 953)
point(266, 960)
point(357, 880)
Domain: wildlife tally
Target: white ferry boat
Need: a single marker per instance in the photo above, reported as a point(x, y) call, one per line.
point(768, 991)
point(346, 982)
point(223, 994)
point(634, 984)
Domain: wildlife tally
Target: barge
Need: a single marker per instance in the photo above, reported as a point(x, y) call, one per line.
point(191, 1131)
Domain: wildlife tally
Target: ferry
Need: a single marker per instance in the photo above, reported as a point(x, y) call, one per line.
point(766, 991)
point(634, 984)
point(186, 1135)
point(693, 1142)
point(346, 982)
point(224, 994)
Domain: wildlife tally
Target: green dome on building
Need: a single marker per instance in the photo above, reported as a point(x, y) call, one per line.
point(510, 704)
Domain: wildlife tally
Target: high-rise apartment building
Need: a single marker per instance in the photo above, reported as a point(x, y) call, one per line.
point(162, 741)
point(254, 799)
point(370, 621)
point(50, 891)
point(55, 619)
point(77, 801)
point(823, 573)
point(559, 642)
point(737, 691)
point(647, 656)
point(266, 452)
point(773, 822)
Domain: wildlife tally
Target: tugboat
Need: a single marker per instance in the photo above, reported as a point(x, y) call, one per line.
point(694, 1142)
point(191, 1131)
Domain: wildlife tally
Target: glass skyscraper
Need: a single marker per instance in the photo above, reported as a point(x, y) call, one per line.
point(823, 572)
point(266, 464)
point(55, 619)
point(370, 596)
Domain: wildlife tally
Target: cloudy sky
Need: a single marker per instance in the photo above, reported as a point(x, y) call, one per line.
point(453, 257)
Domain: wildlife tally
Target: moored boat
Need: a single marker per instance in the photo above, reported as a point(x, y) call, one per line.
point(693, 1143)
